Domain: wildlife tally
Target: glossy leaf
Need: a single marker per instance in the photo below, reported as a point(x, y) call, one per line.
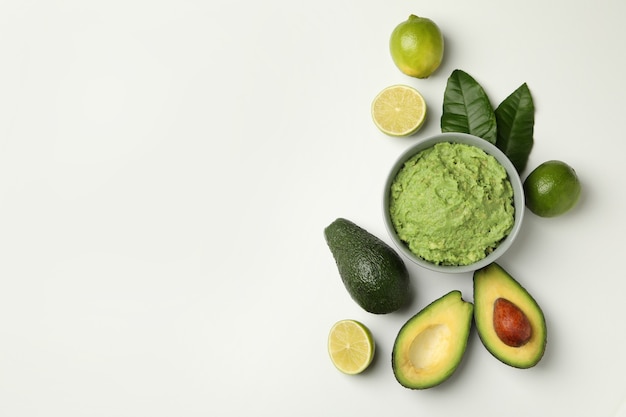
point(515, 117)
point(467, 109)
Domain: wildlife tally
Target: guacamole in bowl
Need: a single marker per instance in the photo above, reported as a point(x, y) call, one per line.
point(453, 203)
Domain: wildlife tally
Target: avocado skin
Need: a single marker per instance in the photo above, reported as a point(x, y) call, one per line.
point(373, 273)
point(495, 277)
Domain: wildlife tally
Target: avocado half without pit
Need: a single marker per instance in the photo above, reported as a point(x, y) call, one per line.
point(430, 345)
point(509, 321)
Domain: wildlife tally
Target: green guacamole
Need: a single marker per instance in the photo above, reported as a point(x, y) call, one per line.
point(452, 204)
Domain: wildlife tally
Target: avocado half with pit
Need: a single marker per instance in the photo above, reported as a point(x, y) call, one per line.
point(509, 321)
point(430, 345)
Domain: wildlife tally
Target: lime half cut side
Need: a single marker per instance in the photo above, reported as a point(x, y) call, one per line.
point(399, 110)
point(350, 346)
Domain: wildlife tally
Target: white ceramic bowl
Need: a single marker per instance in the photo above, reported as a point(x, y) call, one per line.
point(518, 200)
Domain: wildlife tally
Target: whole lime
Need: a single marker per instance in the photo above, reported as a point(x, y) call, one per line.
point(416, 46)
point(552, 189)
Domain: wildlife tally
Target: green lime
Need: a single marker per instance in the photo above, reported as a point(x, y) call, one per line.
point(416, 46)
point(350, 346)
point(552, 189)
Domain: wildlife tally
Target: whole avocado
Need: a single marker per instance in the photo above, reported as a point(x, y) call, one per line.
point(373, 273)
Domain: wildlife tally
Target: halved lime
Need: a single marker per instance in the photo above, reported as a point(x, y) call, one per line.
point(350, 346)
point(399, 110)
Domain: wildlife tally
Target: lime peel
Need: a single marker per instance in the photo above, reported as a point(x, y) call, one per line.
point(417, 46)
point(552, 189)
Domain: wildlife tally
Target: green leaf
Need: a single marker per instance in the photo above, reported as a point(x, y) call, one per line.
point(467, 109)
point(516, 119)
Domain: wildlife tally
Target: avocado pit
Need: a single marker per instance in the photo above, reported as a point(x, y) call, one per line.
point(510, 323)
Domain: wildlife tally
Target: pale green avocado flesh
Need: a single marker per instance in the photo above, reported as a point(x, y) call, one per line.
point(430, 345)
point(452, 204)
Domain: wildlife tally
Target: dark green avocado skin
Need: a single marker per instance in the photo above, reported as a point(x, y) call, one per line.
point(373, 273)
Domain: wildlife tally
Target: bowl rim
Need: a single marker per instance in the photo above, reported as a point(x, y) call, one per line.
point(489, 148)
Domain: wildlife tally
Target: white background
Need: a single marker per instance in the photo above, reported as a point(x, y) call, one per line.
point(167, 169)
